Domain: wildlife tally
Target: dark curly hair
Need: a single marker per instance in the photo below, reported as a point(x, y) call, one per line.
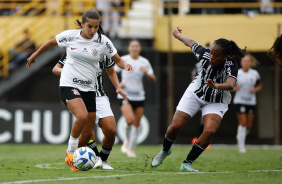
point(231, 49)
point(275, 52)
point(91, 14)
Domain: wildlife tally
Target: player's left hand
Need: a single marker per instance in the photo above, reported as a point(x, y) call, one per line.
point(128, 67)
point(119, 91)
point(211, 84)
point(143, 69)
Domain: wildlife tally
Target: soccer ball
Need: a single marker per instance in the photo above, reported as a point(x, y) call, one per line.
point(84, 159)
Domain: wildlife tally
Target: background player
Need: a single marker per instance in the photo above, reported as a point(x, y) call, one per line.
point(132, 85)
point(248, 84)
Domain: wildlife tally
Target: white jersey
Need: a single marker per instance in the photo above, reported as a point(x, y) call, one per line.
point(133, 82)
point(246, 80)
point(83, 56)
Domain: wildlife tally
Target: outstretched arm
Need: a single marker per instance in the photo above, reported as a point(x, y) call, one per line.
point(122, 64)
point(187, 41)
point(46, 46)
point(228, 85)
point(114, 79)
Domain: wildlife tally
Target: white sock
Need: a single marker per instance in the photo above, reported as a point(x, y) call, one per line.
point(127, 132)
point(133, 138)
point(243, 134)
point(73, 144)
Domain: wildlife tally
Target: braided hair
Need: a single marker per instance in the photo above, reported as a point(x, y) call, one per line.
point(276, 50)
point(230, 48)
point(92, 14)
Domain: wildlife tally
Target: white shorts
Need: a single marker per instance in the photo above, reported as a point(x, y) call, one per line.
point(103, 108)
point(191, 104)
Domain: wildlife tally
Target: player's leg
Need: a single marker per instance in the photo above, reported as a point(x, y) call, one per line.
point(212, 116)
point(241, 131)
point(138, 113)
point(127, 112)
point(87, 131)
point(108, 126)
point(249, 121)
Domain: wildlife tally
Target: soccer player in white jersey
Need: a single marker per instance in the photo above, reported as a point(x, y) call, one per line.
point(132, 85)
point(104, 115)
point(85, 48)
point(248, 84)
point(209, 91)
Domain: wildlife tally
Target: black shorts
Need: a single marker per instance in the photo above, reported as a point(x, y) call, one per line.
point(89, 98)
point(134, 104)
point(245, 109)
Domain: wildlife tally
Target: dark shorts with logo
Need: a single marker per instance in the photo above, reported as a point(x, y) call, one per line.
point(69, 93)
point(245, 109)
point(134, 104)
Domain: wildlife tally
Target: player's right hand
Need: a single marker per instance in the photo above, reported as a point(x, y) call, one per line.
point(30, 61)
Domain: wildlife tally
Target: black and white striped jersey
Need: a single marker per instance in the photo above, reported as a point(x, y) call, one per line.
point(103, 63)
point(218, 74)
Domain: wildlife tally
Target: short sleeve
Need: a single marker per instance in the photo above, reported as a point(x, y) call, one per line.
point(232, 69)
point(200, 52)
point(62, 59)
point(108, 62)
point(149, 68)
point(62, 38)
point(109, 48)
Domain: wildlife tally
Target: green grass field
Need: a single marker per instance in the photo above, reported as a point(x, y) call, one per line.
point(222, 164)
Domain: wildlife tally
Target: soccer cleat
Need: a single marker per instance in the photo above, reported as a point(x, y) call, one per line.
point(242, 150)
point(68, 161)
point(158, 160)
point(131, 153)
point(187, 167)
point(124, 147)
point(107, 166)
point(98, 163)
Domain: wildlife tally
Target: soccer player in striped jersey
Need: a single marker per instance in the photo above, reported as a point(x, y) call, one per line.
point(104, 115)
point(248, 84)
point(209, 91)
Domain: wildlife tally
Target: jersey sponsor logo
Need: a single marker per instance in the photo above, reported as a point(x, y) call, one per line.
point(94, 52)
point(73, 48)
point(75, 92)
point(63, 40)
point(83, 82)
point(109, 47)
point(70, 39)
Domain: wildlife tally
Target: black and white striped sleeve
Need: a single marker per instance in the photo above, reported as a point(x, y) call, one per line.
point(232, 69)
point(63, 59)
point(200, 52)
point(108, 62)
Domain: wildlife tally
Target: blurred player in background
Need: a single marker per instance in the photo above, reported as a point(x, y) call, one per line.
point(248, 84)
point(85, 47)
point(132, 85)
point(209, 92)
point(275, 52)
point(104, 115)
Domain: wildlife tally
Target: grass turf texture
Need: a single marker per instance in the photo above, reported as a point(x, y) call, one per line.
point(223, 164)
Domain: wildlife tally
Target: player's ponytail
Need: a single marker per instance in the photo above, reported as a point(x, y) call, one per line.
point(91, 14)
point(230, 48)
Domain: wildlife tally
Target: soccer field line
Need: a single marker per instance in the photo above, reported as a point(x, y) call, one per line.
point(132, 174)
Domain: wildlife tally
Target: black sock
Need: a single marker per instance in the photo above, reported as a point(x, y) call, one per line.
point(92, 144)
point(104, 153)
point(195, 152)
point(167, 143)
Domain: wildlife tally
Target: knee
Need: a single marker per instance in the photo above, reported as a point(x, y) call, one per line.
point(130, 120)
point(111, 132)
point(82, 117)
point(209, 132)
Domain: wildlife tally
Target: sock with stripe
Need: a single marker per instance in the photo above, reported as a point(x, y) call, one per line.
point(92, 144)
point(167, 143)
point(104, 153)
point(195, 152)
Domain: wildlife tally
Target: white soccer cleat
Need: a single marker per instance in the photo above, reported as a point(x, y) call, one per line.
point(242, 150)
point(98, 163)
point(187, 167)
point(131, 153)
point(158, 160)
point(124, 147)
point(107, 166)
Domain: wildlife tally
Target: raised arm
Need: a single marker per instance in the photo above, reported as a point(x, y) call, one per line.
point(46, 46)
point(114, 79)
point(122, 64)
point(187, 41)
